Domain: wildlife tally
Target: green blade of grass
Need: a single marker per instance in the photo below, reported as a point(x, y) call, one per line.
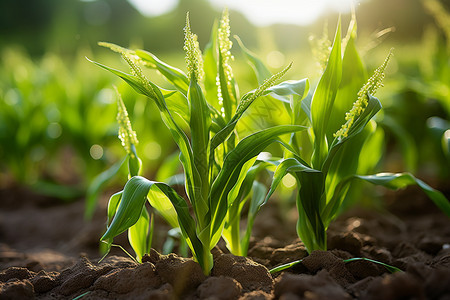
point(390, 268)
point(284, 266)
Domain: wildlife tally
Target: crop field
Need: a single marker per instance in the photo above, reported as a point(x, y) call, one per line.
point(195, 155)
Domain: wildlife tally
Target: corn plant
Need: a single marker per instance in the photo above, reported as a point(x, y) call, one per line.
point(324, 177)
point(214, 159)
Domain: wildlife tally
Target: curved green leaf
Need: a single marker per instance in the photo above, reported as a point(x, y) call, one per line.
point(289, 88)
point(113, 203)
point(177, 103)
point(133, 198)
point(245, 150)
point(261, 71)
point(175, 76)
point(402, 180)
point(259, 192)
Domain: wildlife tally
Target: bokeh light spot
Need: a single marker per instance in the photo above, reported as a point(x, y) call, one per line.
point(96, 152)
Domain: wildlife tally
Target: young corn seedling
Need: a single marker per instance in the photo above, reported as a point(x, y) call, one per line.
point(140, 235)
point(215, 160)
point(324, 178)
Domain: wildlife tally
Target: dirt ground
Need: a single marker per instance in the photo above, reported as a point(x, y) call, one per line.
point(48, 251)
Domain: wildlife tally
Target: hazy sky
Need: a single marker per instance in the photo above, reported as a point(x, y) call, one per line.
point(260, 12)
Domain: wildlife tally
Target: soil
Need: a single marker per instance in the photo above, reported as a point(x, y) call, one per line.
point(48, 251)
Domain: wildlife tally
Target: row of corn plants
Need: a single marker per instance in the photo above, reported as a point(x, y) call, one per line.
point(221, 168)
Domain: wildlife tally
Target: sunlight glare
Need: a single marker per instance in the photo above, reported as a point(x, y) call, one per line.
point(154, 8)
point(300, 12)
point(260, 12)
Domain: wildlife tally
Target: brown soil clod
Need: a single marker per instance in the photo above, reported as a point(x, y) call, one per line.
point(251, 275)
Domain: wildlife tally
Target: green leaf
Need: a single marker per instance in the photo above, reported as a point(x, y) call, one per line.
point(245, 150)
point(372, 150)
point(259, 192)
point(130, 207)
point(402, 180)
point(345, 163)
point(390, 268)
point(284, 266)
point(289, 165)
point(134, 162)
point(310, 195)
point(177, 103)
point(139, 234)
point(261, 71)
point(290, 88)
point(199, 123)
point(323, 100)
point(358, 126)
point(310, 226)
point(354, 76)
point(244, 104)
point(133, 198)
point(154, 93)
point(210, 66)
point(113, 203)
point(236, 190)
point(164, 206)
point(175, 76)
point(130, 79)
